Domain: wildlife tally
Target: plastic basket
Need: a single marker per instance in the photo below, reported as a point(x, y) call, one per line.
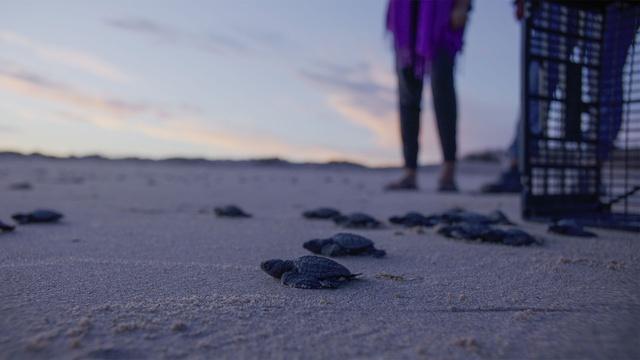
point(580, 134)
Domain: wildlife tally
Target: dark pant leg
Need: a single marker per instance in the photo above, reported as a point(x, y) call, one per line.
point(620, 32)
point(409, 98)
point(444, 103)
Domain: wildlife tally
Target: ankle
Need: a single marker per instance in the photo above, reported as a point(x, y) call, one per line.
point(410, 174)
point(513, 166)
point(447, 174)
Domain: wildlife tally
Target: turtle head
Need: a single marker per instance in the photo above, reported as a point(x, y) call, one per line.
point(276, 267)
point(315, 246)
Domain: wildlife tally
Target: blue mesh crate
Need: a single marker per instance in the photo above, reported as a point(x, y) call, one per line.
point(580, 133)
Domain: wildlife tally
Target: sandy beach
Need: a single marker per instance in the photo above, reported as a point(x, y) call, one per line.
point(140, 267)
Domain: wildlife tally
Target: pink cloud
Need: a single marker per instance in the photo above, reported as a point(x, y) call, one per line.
point(71, 58)
point(178, 124)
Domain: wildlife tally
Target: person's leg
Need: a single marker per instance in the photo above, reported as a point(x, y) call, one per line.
point(509, 180)
point(446, 111)
point(410, 97)
point(409, 100)
point(514, 148)
point(621, 28)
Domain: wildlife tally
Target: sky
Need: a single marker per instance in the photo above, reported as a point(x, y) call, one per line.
point(308, 80)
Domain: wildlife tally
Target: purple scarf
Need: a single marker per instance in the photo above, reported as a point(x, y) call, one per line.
point(433, 32)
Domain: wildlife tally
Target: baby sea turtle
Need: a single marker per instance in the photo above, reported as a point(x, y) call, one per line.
point(464, 231)
point(231, 211)
point(38, 216)
point(569, 227)
point(452, 216)
point(458, 215)
point(23, 185)
point(517, 237)
point(486, 233)
point(343, 244)
point(308, 272)
point(6, 227)
point(413, 218)
point(357, 220)
point(499, 218)
point(321, 213)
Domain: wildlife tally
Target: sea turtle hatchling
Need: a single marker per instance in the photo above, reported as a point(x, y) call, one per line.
point(499, 218)
point(321, 213)
point(23, 185)
point(413, 218)
point(6, 227)
point(570, 227)
point(517, 237)
point(357, 220)
point(231, 211)
point(344, 244)
point(37, 216)
point(487, 233)
point(308, 272)
point(457, 215)
point(466, 231)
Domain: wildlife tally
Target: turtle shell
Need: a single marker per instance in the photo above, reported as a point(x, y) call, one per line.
point(493, 235)
point(320, 267)
point(517, 237)
point(498, 217)
point(412, 219)
point(321, 213)
point(230, 211)
point(357, 220)
point(6, 227)
point(464, 216)
point(38, 216)
point(352, 241)
point(569, 227)
point(467, 231)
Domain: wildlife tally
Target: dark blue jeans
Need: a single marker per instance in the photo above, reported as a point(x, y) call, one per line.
point(444, 104)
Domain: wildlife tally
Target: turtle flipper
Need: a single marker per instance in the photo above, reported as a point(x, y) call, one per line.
point(332, 249)
point(330, 283)
point(335, 282)
point(377, 253)
point(300, 281)
point(5, 227)
point(21, 218)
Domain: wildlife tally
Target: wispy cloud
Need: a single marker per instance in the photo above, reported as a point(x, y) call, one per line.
point(210, 41)
point(267, 39)
point(176, 124)
point(68, 57)
point(156, 31)
point(360, 96)
point(242, 41)
point(37, 86)
point(145, 26)
point(365, 95)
